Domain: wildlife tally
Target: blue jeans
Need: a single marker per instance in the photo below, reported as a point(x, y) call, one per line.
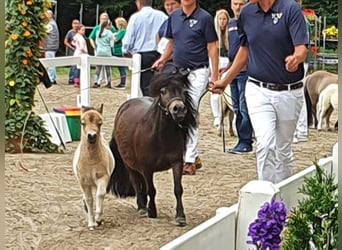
point(122, 70)
point(51, 69)
point(243, 123)
point(73, 73)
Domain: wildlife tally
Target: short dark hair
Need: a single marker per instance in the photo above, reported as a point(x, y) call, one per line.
point(146, 2)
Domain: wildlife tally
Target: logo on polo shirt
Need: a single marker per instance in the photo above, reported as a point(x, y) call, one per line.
point(276, 17)
point(192, 22)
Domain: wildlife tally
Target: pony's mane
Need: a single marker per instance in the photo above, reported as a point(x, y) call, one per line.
point(161, 80)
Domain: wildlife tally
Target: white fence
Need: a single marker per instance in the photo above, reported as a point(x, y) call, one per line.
point(84, 62)
point(228, 228)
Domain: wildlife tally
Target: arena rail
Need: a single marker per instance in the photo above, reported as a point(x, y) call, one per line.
point(84, 62)
point(228, 228)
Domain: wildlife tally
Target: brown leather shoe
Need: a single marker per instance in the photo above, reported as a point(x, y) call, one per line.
point(198, 162)
point(189, 169)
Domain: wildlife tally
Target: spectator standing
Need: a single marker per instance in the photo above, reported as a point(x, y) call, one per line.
point(237, 88)
point(121, 25)
point(221, 26)
point(104, 43)
point(51, 43)
point(104, 17)
point(302, 131)
point(169, 6)
point(274, 44)
point(80, 44)
point(70, 48)
point(140, 38)
point(192, 40)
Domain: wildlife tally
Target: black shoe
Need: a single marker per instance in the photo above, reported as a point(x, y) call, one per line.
point(71, 81)
point(54, 82)
point(108, 86)
point(240, 151)
point(120, 86)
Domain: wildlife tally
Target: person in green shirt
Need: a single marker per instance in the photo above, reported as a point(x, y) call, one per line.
point(104, 17)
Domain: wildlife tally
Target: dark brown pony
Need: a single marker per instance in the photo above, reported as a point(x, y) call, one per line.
point(149, 135)
point(315, 83)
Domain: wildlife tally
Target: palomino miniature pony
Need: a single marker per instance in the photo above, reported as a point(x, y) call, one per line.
point(149, 135)
point(93, 164)
point(327, 103)
point(314, 85)
point(227, 110)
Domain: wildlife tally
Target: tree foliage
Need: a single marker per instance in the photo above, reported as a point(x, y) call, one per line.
point(24, 28)
point(324, 8)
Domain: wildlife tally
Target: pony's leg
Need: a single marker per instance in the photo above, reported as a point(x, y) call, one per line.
point(178, 191)
point(231, 119)
point(139, 185)
point(88, 199)
point(152, 211)
point(100, 194)
point(328, 115)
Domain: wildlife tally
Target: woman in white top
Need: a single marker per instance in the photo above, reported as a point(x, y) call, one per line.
point(221, 26)
point(80, 44)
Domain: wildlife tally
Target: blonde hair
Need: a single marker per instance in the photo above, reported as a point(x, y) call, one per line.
point(223, 37)
point(120, 23)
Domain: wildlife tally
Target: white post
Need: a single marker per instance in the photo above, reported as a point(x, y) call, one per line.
point(135, 80)
point(252, 196)
point(335, 161)
point(85, 80)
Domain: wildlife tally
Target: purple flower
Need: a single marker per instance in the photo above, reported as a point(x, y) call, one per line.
point(266, 229)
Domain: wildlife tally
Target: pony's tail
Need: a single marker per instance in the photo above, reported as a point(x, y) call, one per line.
point(308, 106)
point(119, 183)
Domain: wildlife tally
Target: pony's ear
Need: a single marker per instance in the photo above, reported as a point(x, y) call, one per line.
point(85, 109)
point(170, 68)
point(100, 109)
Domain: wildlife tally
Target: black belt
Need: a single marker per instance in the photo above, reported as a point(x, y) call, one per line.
point(278, 87)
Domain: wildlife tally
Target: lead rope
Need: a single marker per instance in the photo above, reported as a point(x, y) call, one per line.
point(54, 125)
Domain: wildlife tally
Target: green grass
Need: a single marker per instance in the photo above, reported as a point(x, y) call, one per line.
point(65, 71)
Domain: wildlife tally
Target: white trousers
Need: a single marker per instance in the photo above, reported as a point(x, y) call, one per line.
point(215, 99)
point(302, 124)
point(199, 80)
point(274, 115)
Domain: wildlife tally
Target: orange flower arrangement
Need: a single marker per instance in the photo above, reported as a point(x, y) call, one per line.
point(14, 37)
point(27, 33)
point(29, 53)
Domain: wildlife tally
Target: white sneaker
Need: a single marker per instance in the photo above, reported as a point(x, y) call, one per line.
point(295, 140)
point(299, 139)
point(217, 122)
point(302, 138)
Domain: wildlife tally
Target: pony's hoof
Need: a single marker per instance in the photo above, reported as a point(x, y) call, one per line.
point(142, 212)
point(181, 221)
point(99, 223)
point(91, 228)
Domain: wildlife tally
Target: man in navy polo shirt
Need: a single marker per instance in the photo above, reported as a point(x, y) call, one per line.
point(274, 44)
point(237, 87)
point(192, 39)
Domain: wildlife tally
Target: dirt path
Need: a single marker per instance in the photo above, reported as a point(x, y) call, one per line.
point(43, 203)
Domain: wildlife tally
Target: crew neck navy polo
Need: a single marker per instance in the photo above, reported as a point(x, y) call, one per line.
point(271, 37)
point(190, 36)
point(233, 37)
